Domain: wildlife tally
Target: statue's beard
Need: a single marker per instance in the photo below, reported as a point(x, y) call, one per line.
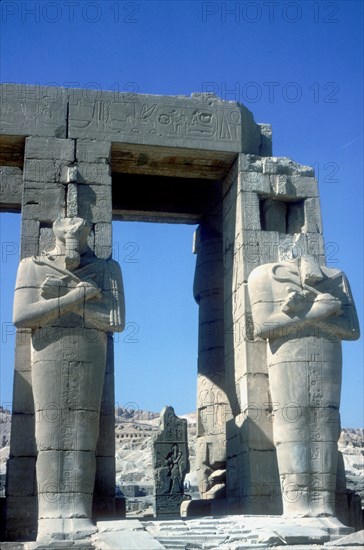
point(72, 257)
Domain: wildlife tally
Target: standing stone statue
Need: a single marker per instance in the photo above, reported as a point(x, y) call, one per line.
point(304, 310)
point(170, 462)
point(70, 300)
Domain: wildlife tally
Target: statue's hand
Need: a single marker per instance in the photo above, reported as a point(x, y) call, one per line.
point(325, 305)
point(91, 289)
point(295, 302)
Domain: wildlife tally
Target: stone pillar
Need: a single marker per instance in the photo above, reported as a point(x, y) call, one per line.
point(50, 166)
point(304, 310)
point(211, 397)
point(93, 164)
point(268, 201)
point(43, 161)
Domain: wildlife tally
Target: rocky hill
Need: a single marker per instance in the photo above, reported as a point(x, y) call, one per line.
point(134, 430)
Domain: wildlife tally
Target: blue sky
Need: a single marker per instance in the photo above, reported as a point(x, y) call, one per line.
point(295, 65)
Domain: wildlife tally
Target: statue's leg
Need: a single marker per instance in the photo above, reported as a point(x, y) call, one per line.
point(305, 380)
point(67, 394)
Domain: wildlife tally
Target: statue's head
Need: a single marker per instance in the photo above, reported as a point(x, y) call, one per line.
point(74, 228)
point(71, 235)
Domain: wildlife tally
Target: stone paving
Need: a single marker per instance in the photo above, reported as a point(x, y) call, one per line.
point(209, 533)
point(235, 532)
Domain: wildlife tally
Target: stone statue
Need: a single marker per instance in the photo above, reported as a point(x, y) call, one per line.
point(170, 461)
point(70, 300)
point(304, 310)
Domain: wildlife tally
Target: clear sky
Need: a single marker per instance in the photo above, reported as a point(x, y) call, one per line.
point(295, 65)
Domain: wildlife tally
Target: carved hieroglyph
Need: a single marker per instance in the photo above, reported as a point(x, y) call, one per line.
point(304, 311)
point(170, 461)
point(70, 300)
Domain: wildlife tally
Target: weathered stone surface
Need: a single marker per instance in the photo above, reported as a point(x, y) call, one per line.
point(33, 110)
point(130, 540)
point(304, 373)
point(50, 148)
point(265, 212)
point(93, 150)
point(95, 173)
point(355, 539)
point(53, 293)
point(235, 532)
point(123, 534)
point(11, 185)
point(170, 461)
point(197, 122)
point(27, 527)
point(21, 483)
point(38, 207)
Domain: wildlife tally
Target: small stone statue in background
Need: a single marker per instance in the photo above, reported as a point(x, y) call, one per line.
point(70, 300)
point(170, 462)
point(304, 310)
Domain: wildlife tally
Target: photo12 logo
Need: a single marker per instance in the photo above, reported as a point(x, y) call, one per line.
point(271, 12)
point(274, 91)
point(69, 11)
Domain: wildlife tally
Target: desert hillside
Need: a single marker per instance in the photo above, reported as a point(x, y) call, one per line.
point(134, 430)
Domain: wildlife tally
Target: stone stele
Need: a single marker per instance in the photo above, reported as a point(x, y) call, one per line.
point(170, 462)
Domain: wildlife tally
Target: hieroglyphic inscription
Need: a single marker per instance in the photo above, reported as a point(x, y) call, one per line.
point(26, 110)
point(133, 118)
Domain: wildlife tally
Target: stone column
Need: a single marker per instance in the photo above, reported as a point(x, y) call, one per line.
point(304, 310)
point(50, 166)
point(211, 397)
point(268, 201)
point(93, 164)
point(43, 161)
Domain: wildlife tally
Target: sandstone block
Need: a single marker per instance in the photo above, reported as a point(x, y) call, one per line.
point(33, 110)
point(22, 390)
point(29, 245)
point(11, 186)
point(21, 483)
point(313, 221)
point(93, 151)
point(78, 469)
point(22, 527)
point(105, 476)
point(106, 442)
point(38, 206)
point(94, 173)
point(103, 240)
point(266, 140)
point(23, 440)
point(50, 148)
point(197, 122)
point(95, 203)
point(254, 181)
point(43, 171)
point(293, 460)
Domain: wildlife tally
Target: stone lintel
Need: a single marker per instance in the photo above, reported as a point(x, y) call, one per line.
point(197, 122)
point(33, 110)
